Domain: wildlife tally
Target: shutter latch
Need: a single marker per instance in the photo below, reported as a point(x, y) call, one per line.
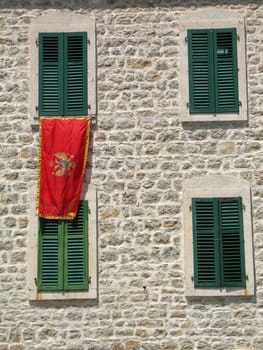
point(89, 280)
point(37, 42)
point(240, 103)
point(35, 281)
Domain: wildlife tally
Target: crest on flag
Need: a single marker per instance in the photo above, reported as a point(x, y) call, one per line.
point(62, 164)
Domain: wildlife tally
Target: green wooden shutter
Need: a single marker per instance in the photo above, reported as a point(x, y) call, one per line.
point(213, 70)
point(50, 264)
point(218, 242)
point(205, 241)
point(201, 74)
point(62, 74)
point(226, 74)
point(50, 74)
point(232, 242)
point(75, 71)
point(76, 250)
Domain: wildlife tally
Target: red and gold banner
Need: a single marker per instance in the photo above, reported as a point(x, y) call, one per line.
point(63, 151)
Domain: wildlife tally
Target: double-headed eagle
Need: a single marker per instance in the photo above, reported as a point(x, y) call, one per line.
point(62, 164)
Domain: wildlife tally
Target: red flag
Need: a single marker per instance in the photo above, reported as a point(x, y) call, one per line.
point(63, 149)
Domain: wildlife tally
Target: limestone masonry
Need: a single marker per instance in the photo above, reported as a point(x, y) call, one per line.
point(140, 156)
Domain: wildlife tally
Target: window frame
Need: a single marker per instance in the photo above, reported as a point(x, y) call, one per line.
point(217, 186)
point(89, 194)
point(57, 22)
point(212, 19)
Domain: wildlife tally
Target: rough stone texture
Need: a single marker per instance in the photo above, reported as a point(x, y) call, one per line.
point(141, 155)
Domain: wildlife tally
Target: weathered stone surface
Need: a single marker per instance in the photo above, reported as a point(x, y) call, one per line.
point(117, 346)
point(138, 63)
point(226, 147)
point(140, 155)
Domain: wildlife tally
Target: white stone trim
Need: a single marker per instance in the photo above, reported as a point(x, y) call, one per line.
point(57, 21)
point(217, 186)
point(32, 254)
point(212, 18)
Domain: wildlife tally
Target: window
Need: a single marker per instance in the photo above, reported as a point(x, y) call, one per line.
point(62, 74)
point(63, 65)
point(212, 66)
point(62, 254)
point(63, 249)
point(218, 244)
point(212, 61)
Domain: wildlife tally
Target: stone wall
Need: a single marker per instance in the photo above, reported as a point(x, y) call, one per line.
point(141, 153)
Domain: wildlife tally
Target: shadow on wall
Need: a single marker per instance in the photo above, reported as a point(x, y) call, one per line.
point(104, 4)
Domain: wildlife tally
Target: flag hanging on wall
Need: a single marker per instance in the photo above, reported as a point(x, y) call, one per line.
point(63, 151)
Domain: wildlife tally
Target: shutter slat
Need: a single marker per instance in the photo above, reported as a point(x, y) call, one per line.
point(226, 77)
point(231, 227)
point(200, 62)
point(50, 256)
point(76, 247)
point(50, 74)
point(205, 242)
point(75, 74)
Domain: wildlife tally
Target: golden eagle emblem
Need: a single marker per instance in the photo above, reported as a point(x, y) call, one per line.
point(62, 164)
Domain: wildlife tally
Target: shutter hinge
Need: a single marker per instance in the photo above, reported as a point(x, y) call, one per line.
point(35, 281)
point(186, 39)
point(89, 280)
point(187, 104)
point(36, 108)
point(247, 277)
point(240, 103)
point(243, 206)
point(192, 278)
point(190, 207)
point(37, 42)
point(89, 107)
point(238, 37)
point(88, 41)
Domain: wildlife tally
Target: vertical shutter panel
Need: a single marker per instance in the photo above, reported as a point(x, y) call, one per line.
point(231, 231)
point(75, 71)
point(76, 248)
point(50, 74)
point(200, 62)
point(50, 276)
point(226, 78)
point(205, 234)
